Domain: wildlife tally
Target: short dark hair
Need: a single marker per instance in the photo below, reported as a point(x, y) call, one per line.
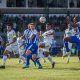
point(75, 18)
point(48, 24)
point(9, 25)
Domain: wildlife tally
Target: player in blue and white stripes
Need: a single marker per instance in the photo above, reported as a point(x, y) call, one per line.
point(32, 49)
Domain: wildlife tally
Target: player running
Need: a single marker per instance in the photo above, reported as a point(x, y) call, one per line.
point(21, 49)
point(68, 45)
point(75, 39)
point(11, 45)
point(48, 38)
point(33, 47)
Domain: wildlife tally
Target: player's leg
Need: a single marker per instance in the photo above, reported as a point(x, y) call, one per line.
point(68, 58)
point(74, 39)
point(67, 49)
point(63, 52)
point(6, 52)
point(40, 54)
point(36, 60)
point(5, 56)
point(34, 50)
point(22, 58)
point(69, 53)
point(52, 62)
point(27, 57)
point(69, 39)
point(47, 54)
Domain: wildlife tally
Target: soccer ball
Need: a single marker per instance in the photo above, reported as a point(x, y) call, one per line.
point(42, 19)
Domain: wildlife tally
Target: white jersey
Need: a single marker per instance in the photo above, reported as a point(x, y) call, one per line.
point(68, 33)
point(75, 32)
point(48, 38)
point(12, 47)
point(20, 43)
point(11, 35)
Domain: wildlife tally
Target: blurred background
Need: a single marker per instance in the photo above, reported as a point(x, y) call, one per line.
point(21, 12)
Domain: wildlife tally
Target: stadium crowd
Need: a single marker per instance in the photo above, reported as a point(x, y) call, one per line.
point(19, 22)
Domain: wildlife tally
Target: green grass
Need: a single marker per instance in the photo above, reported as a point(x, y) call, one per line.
point(62, 70)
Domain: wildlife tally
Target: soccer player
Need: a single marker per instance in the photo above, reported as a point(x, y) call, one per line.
point(48, 38)
point(68, 45)
point(41, 54)
point(21, 49)
point(26, 35)
point(75, 39)
point(11, 45)
point(33, 47)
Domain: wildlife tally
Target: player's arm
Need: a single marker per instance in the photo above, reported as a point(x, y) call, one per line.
point(64, 36)
point(40, 36)
point(22, 44)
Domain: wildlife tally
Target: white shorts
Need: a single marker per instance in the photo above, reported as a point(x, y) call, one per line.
point(64, 52)
point(47, 46)
point(70, 45)
point(12, 48)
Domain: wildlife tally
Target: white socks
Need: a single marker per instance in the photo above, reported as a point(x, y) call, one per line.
point(22, 58)
point(4, 59)
point(40, 54)
point(50, 59)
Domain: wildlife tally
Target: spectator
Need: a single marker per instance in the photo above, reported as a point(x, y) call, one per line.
point(1, 46)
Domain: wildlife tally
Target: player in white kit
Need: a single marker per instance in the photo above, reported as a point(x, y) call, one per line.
point(68, 45)
point(11, 45)
point(21, 48)
point(48, 37)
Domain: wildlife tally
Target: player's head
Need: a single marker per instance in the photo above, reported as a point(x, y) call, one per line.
point(32, 26)
point(19, 34)
point(28, 26)
point(68, 19)
point(48, 26)
point(75, 20)
point(9, 27)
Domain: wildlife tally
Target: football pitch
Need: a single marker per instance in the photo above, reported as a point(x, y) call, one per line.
point(62, 70)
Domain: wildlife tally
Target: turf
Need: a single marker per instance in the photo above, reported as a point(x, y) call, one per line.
point(62, 70)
